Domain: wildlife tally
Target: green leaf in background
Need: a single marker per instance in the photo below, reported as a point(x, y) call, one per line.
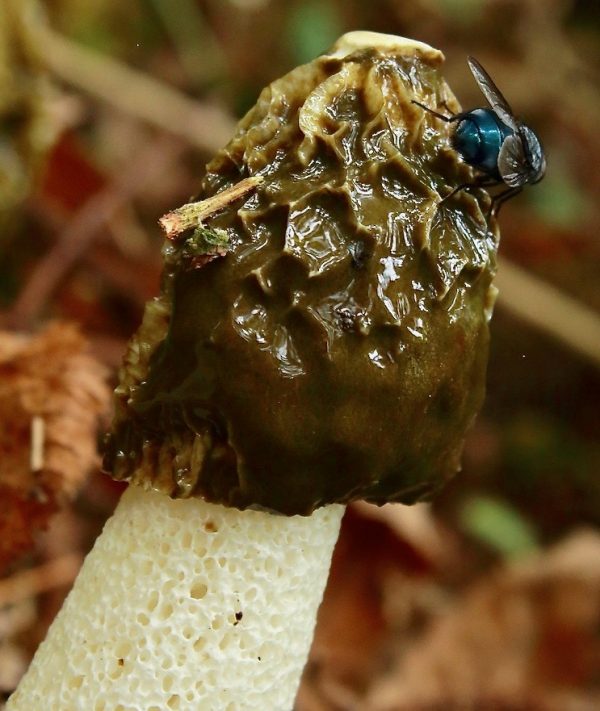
point(195, 45)
point(498, 525)
point(463, 12)
point(123, 30)
point(559, 201)
point(312, 28)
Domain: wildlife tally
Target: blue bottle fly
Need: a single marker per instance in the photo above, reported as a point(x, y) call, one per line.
point(499, 146)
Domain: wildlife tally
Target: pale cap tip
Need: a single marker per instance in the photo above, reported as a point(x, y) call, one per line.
point(361, 39)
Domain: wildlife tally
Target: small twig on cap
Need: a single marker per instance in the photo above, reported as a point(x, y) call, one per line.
point(194, 213)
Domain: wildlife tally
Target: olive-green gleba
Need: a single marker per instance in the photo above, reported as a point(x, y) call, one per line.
point(334, 346)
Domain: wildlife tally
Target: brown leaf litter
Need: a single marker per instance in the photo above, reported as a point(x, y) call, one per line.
point(51, 395)
point(523, 638)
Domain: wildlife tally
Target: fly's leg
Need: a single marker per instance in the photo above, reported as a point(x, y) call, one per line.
point(437, 114)
point(482, 182)
point(501, 198)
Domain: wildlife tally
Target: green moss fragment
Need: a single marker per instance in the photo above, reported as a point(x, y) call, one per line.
point(205, 242)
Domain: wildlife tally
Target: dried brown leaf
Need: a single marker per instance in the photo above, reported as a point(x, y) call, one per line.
point(417, 527)
point(526, 637)
point(352, 628)
point(51, 395)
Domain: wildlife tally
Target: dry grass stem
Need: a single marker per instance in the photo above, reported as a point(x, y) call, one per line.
point(38, 431)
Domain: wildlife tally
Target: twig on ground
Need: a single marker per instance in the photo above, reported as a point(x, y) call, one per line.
point(549, 309)
point(188, 30)
point(85, 226)
point(38, 434)
point(201, 125)
point(30, 583)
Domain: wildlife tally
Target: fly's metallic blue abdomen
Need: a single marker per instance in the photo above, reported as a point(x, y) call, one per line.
point(479, 137)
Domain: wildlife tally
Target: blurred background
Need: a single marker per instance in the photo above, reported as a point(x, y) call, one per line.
point(487, 599)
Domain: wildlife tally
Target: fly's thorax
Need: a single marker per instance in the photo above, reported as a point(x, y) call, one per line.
point(478, 138)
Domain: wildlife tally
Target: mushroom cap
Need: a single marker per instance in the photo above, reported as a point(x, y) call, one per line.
point(338, 350)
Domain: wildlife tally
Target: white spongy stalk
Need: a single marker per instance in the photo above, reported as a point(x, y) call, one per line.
point(186, 605)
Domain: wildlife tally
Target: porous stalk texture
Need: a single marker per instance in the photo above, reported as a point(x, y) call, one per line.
point(186, 605)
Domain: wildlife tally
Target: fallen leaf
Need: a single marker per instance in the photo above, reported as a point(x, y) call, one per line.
point(525, 637)
point(52, 394)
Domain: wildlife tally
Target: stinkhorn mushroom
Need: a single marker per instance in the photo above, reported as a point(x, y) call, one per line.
point(320, 337)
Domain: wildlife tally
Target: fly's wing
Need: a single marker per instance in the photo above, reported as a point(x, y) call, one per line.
point(521, 160)
point(499, 104)
point(534, 152)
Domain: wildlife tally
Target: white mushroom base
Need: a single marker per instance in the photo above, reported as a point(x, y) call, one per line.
point(186, 605)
